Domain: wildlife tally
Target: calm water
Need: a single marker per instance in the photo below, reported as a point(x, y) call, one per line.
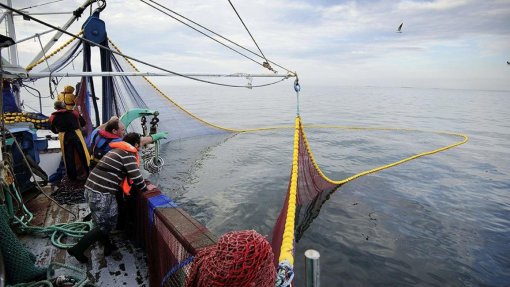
point(442, 220)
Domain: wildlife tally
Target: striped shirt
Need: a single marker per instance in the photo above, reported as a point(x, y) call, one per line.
point(111, 170)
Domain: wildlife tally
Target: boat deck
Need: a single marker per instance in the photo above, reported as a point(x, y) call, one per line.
point(125, 267)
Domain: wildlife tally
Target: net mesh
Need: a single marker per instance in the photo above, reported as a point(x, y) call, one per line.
point(18, 261)
point(171, 238)
point(240, 258)
point(307, 191)
point(179, 122)
point(130, 92)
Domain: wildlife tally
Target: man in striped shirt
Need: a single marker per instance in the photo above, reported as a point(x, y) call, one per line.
point(118, 167)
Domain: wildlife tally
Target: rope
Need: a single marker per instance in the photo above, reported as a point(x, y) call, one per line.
point(78, 281)
point(285, 274)
point(266, 63)
point(152, 162)
point(287, 247)
point(39, 5)
point(137, 60)
point(62, 280)
point(168, 98)
point(214, 33)
point(58, 231)
point(33, 175)
point(288, 239)
point(175, 269)
point(29, 68)
point(383, 167)
point(255, 61)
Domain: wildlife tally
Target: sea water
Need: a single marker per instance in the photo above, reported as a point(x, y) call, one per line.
point(440, 220)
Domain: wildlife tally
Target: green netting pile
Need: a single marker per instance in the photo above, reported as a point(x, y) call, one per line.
point(18, 261)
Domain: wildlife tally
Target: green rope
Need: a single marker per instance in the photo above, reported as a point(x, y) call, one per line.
point(81, 278)
point(58, 231)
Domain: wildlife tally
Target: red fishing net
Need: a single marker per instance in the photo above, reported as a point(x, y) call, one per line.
point(240, 258)
point(311, 192)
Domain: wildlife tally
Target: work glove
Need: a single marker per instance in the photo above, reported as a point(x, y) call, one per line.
point(158, 136)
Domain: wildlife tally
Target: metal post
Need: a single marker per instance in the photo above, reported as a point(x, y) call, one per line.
point(4, 42)
point(312, 268)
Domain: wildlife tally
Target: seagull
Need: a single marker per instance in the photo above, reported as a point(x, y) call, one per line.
point(399, 29)
point(508, 62)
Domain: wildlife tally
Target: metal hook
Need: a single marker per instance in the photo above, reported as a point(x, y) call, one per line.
point(102, 6)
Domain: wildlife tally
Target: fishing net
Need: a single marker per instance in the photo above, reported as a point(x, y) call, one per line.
point(69, 191)
point(171, 238)
point(18, 261)
point(307, 191)
point(240, 258)
point(173, 118)
point(124, 93)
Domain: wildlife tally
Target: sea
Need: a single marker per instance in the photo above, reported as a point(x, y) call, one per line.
point(439, 220)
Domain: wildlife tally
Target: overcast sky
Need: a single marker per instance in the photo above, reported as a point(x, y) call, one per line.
point(443, 44)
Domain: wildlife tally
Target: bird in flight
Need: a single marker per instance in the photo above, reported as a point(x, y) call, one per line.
point(399, 29)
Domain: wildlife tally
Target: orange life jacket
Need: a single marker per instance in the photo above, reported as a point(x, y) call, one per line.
point(126, 182)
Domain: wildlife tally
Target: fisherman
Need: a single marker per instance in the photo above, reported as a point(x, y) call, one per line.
point(117, 168)
point(67, 96)
point(99, 144)
point(112, 131)
point(68, 124)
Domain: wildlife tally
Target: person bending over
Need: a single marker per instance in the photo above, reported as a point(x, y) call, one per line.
point(112, 131)
point(115, 170)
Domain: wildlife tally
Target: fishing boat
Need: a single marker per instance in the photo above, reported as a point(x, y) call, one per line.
point(163, 245)
point(171, 235)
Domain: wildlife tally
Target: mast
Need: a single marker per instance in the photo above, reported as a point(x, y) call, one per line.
point(13, 51)
point(76, 14)
point(11, 32)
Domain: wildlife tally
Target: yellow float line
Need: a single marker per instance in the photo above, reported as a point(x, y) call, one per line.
point(168, 98)
point(363, 173)
point(287, 247)
point(29, 68)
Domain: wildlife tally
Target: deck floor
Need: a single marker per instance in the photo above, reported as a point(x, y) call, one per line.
point(125, 267)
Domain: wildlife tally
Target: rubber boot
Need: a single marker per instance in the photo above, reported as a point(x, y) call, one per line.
point(88, 217)
point(109, 246)
point(87, 240)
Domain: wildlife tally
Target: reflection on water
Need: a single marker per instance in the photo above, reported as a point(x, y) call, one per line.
point(305, 218)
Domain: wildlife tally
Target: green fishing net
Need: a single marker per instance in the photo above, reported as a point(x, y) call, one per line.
point(18, 261)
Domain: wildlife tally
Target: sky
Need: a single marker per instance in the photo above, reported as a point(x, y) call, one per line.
point(458, 44)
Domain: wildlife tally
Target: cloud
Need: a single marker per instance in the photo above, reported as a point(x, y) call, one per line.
point(326, 42)
point(431, 5)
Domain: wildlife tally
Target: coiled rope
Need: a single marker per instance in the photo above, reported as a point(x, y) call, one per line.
point(152, 161)
point(58, 231)
point(79, 280)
